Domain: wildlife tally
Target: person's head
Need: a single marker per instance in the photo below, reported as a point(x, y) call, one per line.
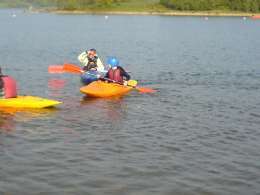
point(92, 52)
point(113, 62)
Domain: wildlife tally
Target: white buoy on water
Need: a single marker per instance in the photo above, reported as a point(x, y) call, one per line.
point(206, 18)
point(106, 17)
point(13, 15)
point(244, 18)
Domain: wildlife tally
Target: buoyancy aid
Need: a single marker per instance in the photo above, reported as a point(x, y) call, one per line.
point(115, 74)
point(10, 88)
point(92, 64)
point(83, 58)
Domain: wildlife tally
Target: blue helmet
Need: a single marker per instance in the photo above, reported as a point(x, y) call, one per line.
point(112, 61)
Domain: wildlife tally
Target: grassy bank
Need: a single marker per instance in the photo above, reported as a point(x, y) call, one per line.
point(123, 6)
point(126, 7)
point(3, 5)
point(12, 4)
point(143, 7)
point(151, 12)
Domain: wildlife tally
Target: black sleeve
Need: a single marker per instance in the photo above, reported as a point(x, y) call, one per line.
point(1, 83)
point(106, 75)
point(124, 73)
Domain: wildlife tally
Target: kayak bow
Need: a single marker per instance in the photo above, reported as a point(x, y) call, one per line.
point(103, 89)
point(28, 102)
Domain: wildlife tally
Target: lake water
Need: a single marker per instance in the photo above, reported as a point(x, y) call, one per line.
point(198, 134)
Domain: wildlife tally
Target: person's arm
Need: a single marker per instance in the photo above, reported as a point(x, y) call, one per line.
point(124, 73)
point(107, 74)
point(83, 58)
point(1, 83)
point(100, 66)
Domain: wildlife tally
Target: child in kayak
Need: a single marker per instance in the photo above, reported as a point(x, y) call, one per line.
point(90, 60)
point(7, 86)
point(116, 72)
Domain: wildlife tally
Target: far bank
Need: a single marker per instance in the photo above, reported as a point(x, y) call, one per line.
point(149, 12)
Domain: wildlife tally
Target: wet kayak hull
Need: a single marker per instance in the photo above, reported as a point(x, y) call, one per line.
point(101, 89)
point(88, 77)
point(28, 102)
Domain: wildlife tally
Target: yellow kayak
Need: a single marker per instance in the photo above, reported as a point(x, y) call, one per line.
point(103, 89)
point(28, 102)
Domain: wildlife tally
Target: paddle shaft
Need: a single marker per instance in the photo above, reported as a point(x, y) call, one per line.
point(140, 89)
point(75, 69)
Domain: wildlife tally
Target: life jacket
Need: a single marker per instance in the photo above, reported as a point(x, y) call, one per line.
point(84, 60)
point(10, 89)
point(92, 64)
point(115, 74)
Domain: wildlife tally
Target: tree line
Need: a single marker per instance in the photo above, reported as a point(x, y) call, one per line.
point(81, 4)
point(189, 5)
point(64, 4)
point(207, 5)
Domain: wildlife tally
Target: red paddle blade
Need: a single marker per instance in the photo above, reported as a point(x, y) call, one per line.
point(72, 68)
point(145, 90)
point(55, 69)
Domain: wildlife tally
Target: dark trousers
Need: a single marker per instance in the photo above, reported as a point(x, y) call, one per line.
point(1, 87)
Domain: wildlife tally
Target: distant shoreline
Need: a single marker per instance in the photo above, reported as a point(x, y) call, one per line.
point(158, 13)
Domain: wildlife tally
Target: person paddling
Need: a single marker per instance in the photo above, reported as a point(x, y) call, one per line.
point(8, 87)
point(90, 60)
point(116, 72)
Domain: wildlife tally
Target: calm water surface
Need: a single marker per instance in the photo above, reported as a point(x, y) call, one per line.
point(199, 134)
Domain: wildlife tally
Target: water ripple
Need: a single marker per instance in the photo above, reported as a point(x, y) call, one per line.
point(198, 134)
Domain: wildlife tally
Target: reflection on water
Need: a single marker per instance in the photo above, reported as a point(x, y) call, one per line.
point(198, 134)
point(55, 83)
point(55, 86)
point(9, 116)
point(32, 113)
point(6, 122)
point(111, 108)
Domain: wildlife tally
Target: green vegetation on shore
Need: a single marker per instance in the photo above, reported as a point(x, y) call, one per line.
point(206, 5)
point(111, 5)
point(140, 5)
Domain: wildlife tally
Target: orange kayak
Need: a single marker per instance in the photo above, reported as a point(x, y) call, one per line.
point(103, 89)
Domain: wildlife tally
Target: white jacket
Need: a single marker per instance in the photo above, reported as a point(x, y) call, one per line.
point(83, 58)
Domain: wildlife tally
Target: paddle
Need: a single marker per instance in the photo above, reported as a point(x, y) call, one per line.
point(72, 68)
point(55, 69)
point(140, 89)
point(145, 90)
point(75, 69)
point(133, 83)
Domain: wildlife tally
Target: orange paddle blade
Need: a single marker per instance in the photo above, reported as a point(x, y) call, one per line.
point(72, 68)
point(55, 69)
point(145, 90)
